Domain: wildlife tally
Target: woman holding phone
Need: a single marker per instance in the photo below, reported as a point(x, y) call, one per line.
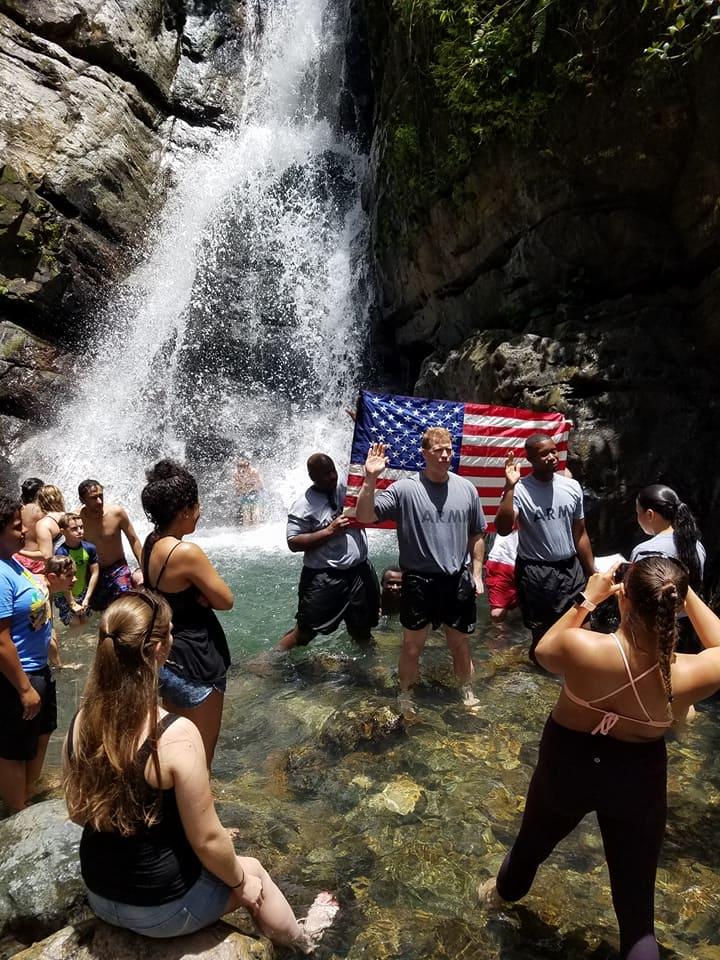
point(603, 747)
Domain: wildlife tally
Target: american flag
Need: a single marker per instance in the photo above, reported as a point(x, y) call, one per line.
point(482, 434)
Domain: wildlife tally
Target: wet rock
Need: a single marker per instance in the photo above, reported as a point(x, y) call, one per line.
point(94, 940)
point(40, 885)
point(101, 90)
point(33, 373)
point(360, 724)
point(400, 796)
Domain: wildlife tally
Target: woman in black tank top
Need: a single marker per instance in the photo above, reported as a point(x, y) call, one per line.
point(154, 857)
point(192, 682)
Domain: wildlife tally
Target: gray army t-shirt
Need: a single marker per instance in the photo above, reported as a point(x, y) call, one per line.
point(546, 512)
point(434, 521)
point(315, 510)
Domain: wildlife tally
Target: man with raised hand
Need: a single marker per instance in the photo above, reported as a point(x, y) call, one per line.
point(338, 583)
point(440, 528)
point(554, 557)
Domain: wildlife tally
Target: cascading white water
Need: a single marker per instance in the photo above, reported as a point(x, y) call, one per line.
point(245, 327)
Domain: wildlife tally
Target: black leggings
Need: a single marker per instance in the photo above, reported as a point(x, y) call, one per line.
point(626, 785)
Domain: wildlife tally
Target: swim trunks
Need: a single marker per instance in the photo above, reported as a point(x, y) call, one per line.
point(500, 584)
point(114, 581)
point(34, 566)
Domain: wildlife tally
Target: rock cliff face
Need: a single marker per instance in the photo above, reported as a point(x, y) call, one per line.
point(97, 92)
point(578, 273)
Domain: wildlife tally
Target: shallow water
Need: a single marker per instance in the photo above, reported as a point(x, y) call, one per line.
point(405, 829)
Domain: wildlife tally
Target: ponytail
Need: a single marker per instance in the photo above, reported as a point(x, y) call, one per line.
point(665, 502)
point(685, 537)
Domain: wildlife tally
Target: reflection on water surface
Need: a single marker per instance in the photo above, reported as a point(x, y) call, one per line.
point(404, 830)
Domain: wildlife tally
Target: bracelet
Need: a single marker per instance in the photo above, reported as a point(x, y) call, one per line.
point(234, 886)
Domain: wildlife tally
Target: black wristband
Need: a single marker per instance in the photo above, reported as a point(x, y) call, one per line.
point(234, 886)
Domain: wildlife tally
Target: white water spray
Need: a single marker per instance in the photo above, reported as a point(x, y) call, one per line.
point(245, 326)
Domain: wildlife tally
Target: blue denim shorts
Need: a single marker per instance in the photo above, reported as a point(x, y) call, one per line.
point(186, 693)
point(204, 903)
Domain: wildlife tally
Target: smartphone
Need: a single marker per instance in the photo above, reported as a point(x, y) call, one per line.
point(620, 573)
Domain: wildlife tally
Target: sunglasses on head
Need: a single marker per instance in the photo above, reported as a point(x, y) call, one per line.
point(154, 606)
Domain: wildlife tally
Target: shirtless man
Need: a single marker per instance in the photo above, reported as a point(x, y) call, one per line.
point(30, 556)
point(104, 526)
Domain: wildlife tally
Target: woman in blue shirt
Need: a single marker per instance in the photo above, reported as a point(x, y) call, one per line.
point(28, 709)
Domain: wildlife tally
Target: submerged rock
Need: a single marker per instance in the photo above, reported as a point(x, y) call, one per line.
point(40, 885)
point(399, 796)
point(364, 723)
point(95, 940)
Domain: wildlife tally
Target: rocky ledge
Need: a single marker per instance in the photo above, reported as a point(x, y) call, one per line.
point(101, 91)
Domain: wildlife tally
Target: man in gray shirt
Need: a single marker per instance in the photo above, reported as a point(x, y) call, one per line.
point(555, 557)
point(337, 582)
point(440, 526)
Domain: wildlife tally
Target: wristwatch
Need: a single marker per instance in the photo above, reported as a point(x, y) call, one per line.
point(580, 600)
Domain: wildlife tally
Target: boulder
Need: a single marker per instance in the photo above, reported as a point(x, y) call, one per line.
point(361, 725)
point(32, 373)
point(94, 940)
point(41, 889)
point(629, 377)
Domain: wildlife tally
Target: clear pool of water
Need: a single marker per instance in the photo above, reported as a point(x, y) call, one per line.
point(405, 830)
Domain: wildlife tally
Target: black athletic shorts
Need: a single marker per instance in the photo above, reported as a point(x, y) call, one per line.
point(18, 737)
point(327, 597)
point(438, 598)
point(546, 589)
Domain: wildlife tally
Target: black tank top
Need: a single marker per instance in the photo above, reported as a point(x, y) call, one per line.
point(156, 865)
point(199, 651)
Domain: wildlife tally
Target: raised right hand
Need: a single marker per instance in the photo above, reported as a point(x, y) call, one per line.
point(31, 702)
point(512, 471)
point(376, 460)
point(252, 893)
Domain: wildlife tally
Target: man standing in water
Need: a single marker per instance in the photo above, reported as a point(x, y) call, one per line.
point(440, 528)
point(104, 526)
point(337, 582)
point(554, 557)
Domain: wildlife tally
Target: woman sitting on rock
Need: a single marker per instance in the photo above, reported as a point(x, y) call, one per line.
point(154, 856)
point(28, 711)
point(192, 682)
point(603, 747)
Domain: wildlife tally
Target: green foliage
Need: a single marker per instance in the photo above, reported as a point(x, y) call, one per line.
point(479, 70)
point(688, 24)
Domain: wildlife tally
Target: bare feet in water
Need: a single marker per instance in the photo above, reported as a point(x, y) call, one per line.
point(406, 705)
point(320, 916)
point(488, 895)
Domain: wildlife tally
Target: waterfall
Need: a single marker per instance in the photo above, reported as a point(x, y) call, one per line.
point(244, 328)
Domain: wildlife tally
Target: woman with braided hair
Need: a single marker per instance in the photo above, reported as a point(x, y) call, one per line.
point(603, 747)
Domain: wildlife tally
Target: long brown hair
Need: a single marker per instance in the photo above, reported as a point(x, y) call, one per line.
point(656, 588)
point(50, 498)
point(105, 786)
